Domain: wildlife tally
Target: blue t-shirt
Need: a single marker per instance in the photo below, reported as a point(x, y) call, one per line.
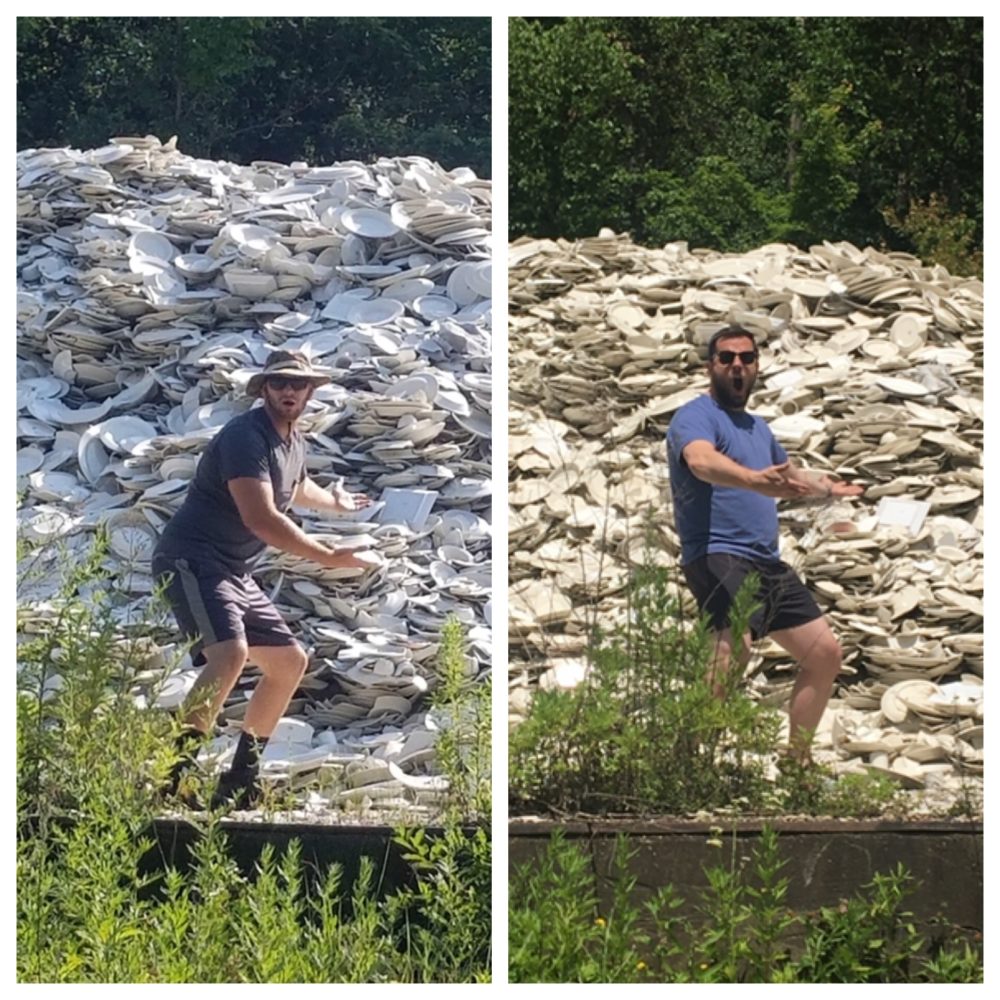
point(208, 527)
point(722, 518)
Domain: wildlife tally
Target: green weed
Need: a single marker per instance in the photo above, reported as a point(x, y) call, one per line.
point(645, 732)
point(740, 931)
point(90, 762)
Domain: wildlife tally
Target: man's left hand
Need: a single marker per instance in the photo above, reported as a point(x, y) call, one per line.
point(838, 489)
point(348, 501)
point(821, 485)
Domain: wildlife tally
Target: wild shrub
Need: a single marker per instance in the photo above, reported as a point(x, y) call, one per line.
point(91, 759)
point(644, 732)
point(939, 235)
point(739, 930)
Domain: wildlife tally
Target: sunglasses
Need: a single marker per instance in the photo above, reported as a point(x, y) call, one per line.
point(727, 357)
point(279, 382)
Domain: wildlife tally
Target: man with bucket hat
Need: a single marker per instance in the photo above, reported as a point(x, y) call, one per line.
point(248, 477)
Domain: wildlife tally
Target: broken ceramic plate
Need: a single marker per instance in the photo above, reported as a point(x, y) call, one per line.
point(906, 513)
point(374, 312)
point(409, 507)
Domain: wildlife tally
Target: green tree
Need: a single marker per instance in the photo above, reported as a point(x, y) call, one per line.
point(722, 130)
point(715, 207)
point(283, 88)
point(570, 145)
point(826, 167)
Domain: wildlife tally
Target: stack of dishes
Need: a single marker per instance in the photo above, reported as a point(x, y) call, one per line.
point(871, 370)
point(151, 285)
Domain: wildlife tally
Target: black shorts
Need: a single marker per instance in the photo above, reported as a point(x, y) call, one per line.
point(213, 606)
point(783, 598)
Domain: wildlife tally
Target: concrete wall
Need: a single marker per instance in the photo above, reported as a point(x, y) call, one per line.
point(826, 861)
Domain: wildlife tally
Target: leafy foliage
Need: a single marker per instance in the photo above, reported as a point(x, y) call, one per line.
point(729, 131)
point(569, 90)
point(464, 746)
point(940, 236)
point(90, 763)
point(644, 732)
point(253, 88)
point(560, 932)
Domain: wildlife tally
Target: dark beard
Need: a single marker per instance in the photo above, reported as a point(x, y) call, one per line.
point(724, 394)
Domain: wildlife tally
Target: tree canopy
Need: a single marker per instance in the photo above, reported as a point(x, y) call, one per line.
point(730, 132)
point(317, 89)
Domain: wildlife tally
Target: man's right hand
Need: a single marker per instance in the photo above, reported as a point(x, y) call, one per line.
point(774, 482)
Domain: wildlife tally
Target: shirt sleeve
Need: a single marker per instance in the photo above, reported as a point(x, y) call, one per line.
point(689, 424)
point(778, 454)
point(244, 457)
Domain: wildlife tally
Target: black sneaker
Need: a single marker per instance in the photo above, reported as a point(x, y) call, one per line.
point(238, 789)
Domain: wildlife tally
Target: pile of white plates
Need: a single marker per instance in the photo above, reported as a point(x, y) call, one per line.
point(871, 371)
point(151, 286)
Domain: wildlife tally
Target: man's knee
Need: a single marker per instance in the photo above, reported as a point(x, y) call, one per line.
point(300, 659)
point(293, 659)
point(227, 657)
point(827, 655)
point(281, 662)
point(726, 646)
point(830, 649)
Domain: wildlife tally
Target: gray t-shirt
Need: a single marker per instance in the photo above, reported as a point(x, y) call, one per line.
point(208, 528)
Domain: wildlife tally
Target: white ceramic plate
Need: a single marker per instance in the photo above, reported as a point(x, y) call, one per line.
point(408, 289)
point(459, 287)
point(150, 244)
point(480, 278)
point(410, 507)
point(369, 222)
point(901, 386)
point(29, 460)
point(124, 434)
point(374, 312)
point(433, 306)
point(419, 382)
point(252, 240)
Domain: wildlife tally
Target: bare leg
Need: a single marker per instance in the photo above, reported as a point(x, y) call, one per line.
point(224, 662)
point(819, 657)
point(723, 659)
point(283, 667)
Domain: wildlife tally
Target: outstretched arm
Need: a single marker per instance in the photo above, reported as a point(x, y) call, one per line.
point(254, 498)
point(709, 464)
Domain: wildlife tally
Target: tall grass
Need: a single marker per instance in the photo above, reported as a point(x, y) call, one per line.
point(644, 732)
point(741, 931)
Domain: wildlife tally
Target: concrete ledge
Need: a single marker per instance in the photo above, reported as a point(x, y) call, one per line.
point(321, 846)
point(826, 860)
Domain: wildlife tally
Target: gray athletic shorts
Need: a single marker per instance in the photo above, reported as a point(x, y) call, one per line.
point(783, 598)
point(212, 606)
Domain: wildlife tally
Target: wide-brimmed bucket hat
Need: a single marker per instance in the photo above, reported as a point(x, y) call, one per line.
point(290, 364)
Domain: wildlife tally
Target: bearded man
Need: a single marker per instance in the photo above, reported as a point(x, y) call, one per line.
point(247, 479)
point(726, 472)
